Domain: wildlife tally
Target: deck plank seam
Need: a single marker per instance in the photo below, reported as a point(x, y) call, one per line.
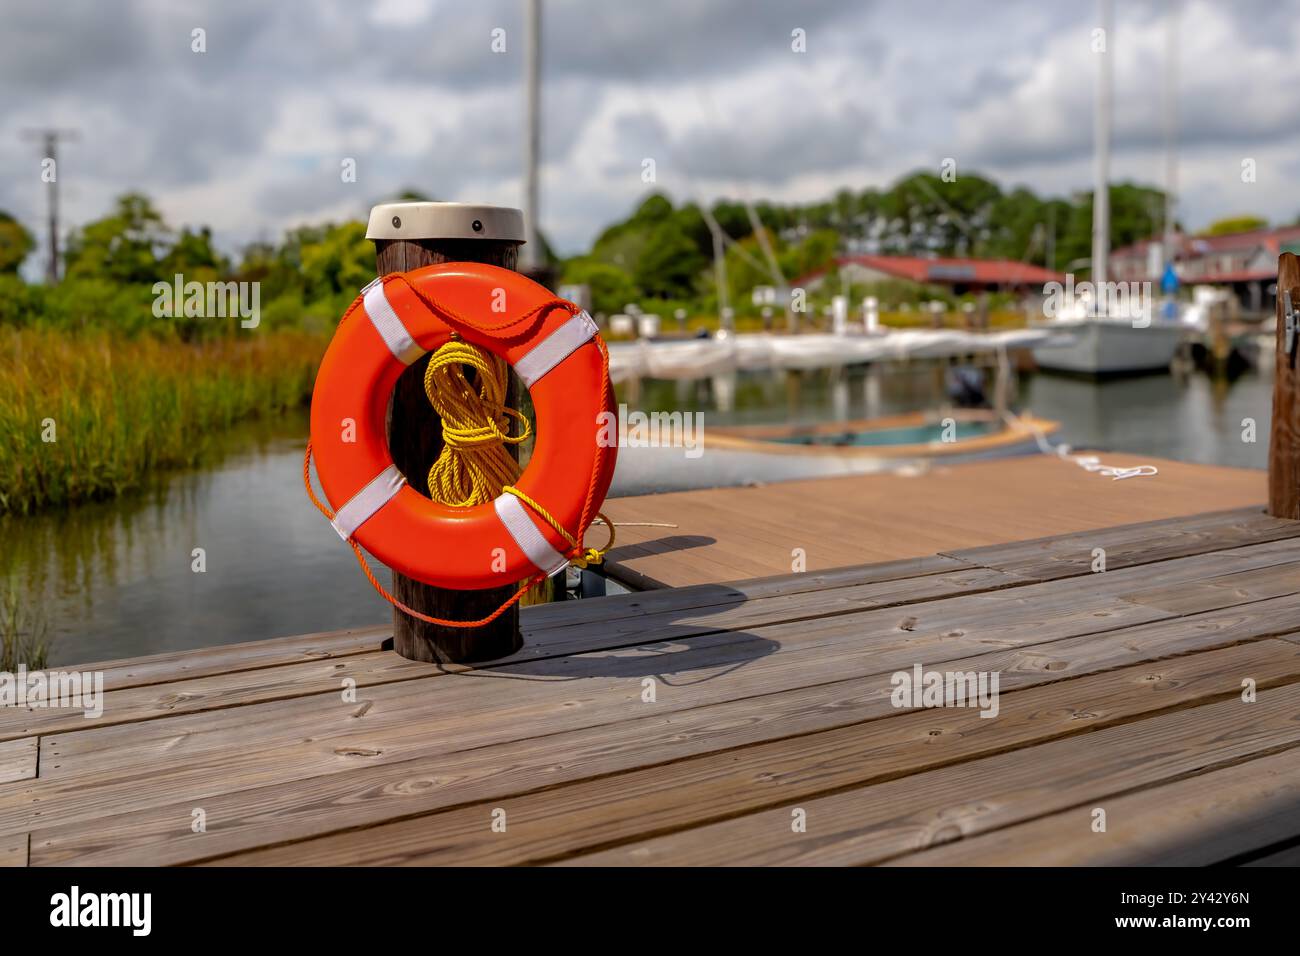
point(1084, 568)
point(1197, 524)
point(959, 565)
point(270, 665)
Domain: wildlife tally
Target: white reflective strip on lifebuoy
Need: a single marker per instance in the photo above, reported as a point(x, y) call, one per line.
point(527, 535)
point(388, 325)
point(362, 506)
point(555, 348)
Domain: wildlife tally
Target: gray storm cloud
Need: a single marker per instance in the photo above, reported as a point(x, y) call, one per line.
point(248, 137)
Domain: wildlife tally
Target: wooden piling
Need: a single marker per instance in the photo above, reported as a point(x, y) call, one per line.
point(1284, 438)
point(408, 236)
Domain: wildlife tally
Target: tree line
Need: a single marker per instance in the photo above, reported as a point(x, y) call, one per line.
point(662, 252)
point(665, 252)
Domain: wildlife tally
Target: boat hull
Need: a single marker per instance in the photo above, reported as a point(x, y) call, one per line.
point(1110, 348)
point(1020, 436)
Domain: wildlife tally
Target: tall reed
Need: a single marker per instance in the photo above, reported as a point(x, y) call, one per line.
point(24, 633)
point(93, 414)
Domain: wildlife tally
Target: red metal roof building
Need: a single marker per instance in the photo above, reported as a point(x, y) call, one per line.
point(1245, 261)
point(961, 275)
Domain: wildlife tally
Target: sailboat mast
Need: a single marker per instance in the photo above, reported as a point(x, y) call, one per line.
point(1171, 130)
point(1101, 142)
point(532, 251)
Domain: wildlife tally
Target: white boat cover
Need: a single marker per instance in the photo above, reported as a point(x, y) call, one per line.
point(698, 358)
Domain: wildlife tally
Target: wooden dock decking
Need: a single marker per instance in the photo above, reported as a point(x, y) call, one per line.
point(727, 534)
point(698, 724)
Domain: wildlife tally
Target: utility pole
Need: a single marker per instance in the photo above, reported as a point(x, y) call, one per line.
point(50, 138)
point(532, 250)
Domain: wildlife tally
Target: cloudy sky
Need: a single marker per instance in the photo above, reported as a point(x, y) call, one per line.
point(249, 136)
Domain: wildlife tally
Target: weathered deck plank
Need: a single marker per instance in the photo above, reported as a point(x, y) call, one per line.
point(1117, 686)
point(384, 788)
point(1205, 819)
point(1065, 555)
point(884, 821)
point(277, 679)
point(18, 759)
point(232, 658)
point(218, 691)
point(562, 820)
point(814, 701)
point(1077, 607)
point(13, 850)
point(1223, 590)
point(798, 657)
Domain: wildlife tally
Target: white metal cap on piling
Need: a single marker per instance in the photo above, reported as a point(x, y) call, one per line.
point(445, 220)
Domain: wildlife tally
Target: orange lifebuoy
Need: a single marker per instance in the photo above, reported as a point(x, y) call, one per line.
point(553, 347)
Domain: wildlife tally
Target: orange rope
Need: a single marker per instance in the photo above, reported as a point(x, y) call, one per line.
point(383, 592)
point(588, 508)
point(455, 318)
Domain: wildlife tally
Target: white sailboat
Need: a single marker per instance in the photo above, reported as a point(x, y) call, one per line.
point(1110, 339)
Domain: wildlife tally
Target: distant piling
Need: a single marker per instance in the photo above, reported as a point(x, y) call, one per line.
point(1284, 439)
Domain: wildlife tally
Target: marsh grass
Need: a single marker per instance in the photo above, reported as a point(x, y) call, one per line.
point(121, 408)
point(24, 634)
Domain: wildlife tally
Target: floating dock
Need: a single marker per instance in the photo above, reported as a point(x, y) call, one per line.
point(726, 534)
point(751, 722)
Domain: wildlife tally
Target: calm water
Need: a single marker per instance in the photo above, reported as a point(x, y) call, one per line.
point(116, 579)
point(1187, 418)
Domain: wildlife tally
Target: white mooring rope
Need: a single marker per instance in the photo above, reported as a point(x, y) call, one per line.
point(1086, 462)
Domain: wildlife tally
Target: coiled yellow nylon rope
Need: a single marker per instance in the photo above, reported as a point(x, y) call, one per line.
point(474, 464)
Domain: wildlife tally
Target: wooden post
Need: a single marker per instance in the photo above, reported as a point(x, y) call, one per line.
point(1218, 347)
point(408, 236)
point(1284, 439)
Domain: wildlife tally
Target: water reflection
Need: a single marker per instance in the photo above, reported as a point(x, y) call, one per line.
point(1192, 418)
point(1189, 418)
point(116, 579)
